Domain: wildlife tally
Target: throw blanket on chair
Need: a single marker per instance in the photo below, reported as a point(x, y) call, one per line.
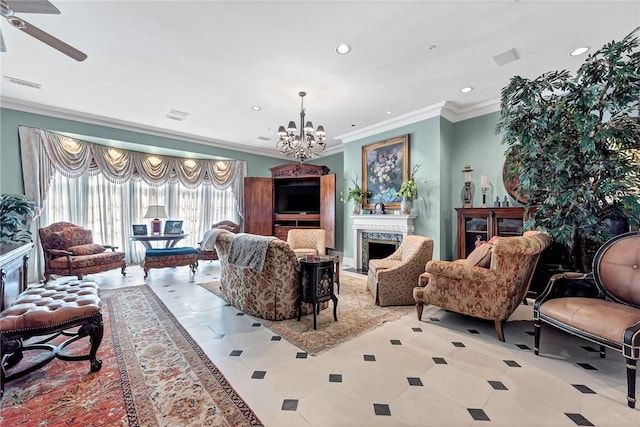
point(249, 250)
point(209, 240)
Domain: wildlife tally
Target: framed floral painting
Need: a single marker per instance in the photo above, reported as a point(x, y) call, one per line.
point(384, 166)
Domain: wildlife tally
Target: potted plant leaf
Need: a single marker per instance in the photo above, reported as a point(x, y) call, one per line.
point(577, 141)
point(15, 210)
point(409, 190)
point(354, 192)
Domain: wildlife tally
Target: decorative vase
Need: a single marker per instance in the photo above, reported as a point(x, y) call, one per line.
point(356, 208)
point(405, 205)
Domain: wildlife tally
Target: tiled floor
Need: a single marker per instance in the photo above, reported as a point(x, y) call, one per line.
point(447, 370)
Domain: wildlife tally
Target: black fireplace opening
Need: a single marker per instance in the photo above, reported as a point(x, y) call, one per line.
point(377, 246)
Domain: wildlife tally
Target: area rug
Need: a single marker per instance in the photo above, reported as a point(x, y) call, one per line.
point(357, 314)
point(153, 374)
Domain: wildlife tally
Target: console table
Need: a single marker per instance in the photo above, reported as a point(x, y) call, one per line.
point(169, 239)
point(14, 258)
point(316, 285)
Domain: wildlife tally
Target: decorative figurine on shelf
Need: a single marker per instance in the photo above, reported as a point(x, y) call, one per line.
point(505, 202)
point(496, 204)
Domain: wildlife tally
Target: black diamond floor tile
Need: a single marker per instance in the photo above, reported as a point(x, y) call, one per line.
point(439, 361)
point(415, 381)
point(523, 347)
point(587, 366)
point(473, 331)
point(258, 375)
point(301, 355)
point(381, 409)
point(512, 363)
point(235, 353)
point(530, 333)
point(583, 389)
point(239, 314)
point(478, 414)
point(335, 378)
point(590, 349)
point(416, 329)
point(276, 338)
point(579, 419)
point(434, 319)
point(396, 342)
point(290, 404)
point(458, 344)
point(497, 385)
point(369, 358)
point(255, 325)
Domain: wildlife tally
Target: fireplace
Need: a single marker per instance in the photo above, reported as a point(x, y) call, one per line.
point(386, 229)
point(376, 245)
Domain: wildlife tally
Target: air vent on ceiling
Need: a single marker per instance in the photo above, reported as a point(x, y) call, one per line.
point(21, 82)
point(177, 115)
point(505, 57)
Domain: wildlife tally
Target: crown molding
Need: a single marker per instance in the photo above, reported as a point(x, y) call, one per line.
point(445, 109)
point(61, 113)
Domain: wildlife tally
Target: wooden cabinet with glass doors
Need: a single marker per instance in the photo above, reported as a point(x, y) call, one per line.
point(476, 224)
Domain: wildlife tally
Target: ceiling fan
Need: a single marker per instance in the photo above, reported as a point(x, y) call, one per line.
point(8, 9)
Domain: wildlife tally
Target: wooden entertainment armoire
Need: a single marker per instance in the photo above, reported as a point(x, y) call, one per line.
point(313, 206)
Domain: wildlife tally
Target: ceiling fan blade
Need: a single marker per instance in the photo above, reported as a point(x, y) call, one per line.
point(55, 43)
point(31, 6)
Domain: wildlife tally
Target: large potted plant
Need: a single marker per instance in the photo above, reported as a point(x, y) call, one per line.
point(576, 145)
point(15, 210)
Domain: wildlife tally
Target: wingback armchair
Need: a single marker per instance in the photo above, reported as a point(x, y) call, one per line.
point(307, 241)
point(493, 293)
point(69, 250)
point(391, 280)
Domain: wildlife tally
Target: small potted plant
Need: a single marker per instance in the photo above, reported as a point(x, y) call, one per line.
point(355, 193)
point(14, 210)
point(409, 190)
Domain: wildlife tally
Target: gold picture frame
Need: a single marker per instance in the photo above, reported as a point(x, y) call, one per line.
point(385, 165)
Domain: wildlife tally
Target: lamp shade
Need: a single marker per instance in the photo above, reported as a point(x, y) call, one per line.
point(155, 212)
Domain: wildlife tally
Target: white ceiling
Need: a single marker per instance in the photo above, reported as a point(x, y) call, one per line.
point(216, 59)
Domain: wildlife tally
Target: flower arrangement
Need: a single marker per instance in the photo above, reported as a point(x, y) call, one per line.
point(354, 192)
point(409, 187)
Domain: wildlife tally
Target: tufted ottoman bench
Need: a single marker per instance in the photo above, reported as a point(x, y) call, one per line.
point(47, 311)
point(170, 257)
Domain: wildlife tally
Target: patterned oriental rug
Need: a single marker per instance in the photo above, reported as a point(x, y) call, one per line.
point(357, 314)
point(153, 374)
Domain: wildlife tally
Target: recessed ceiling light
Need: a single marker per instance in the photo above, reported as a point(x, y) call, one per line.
point(388, 112)
point(579, 51)
point(466, 89)
point(256, 108)
point(343, 49)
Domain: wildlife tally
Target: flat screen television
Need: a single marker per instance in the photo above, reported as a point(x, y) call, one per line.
point(297, 198)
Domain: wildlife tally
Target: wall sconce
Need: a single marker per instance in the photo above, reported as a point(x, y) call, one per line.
point(156, 212)
point(467, 185)
point(484, 184)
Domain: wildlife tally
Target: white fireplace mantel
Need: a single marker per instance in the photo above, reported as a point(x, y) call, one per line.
point(399, 224)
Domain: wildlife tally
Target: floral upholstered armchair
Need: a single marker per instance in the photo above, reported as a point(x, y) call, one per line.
point(271, 293)
point(307, 241)
point(69, 251)
point(391, 280)
point(489, 284)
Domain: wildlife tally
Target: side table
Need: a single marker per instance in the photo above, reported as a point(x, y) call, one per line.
point(316, 285)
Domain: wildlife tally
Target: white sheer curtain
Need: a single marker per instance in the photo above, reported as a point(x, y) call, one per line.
point(108, 189)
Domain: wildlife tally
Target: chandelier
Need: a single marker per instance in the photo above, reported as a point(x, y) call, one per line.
point(307, 143)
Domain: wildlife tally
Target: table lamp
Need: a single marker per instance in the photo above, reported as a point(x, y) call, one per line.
point(156, 212)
